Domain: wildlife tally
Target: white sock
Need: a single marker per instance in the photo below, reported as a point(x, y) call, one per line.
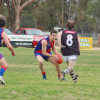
point(67, 70)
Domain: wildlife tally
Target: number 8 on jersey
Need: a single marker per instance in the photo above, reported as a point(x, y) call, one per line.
point(69, 40)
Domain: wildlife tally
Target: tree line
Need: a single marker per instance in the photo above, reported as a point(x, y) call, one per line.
point(47, 14)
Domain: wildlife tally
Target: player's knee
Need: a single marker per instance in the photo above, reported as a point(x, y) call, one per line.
point(57, 66)
point(6, 65)
point(41, 62)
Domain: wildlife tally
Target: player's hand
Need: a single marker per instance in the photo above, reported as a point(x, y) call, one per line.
point(13, 53)
point(59, 55)
point(56, 57)
point(98, 42)
point(62, 46)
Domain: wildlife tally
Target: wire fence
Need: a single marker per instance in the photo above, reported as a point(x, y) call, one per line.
point(93, 35)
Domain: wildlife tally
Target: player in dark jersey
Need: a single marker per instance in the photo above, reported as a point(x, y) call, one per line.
point(3, 62)
point(68, 41)
point(43, 51)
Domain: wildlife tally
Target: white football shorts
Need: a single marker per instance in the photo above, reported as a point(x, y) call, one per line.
point(72, 57)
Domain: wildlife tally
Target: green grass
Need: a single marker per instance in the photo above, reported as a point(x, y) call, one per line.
point(24, 79)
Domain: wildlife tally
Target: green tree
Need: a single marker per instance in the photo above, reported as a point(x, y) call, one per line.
point(53, 13)
point(15, 8)
point(93, 10)
point(45, 16)
point(2, 8)
point(83, 21)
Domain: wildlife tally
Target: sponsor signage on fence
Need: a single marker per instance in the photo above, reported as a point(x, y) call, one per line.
point(86, 43)
point(21, 40)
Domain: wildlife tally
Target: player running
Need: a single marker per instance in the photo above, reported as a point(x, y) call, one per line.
point(43, 51)
point(68, 41)
point(3, 62)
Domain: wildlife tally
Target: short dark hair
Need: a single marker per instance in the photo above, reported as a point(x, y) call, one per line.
point(53, 31)
point(70, 24)
point(2, 22)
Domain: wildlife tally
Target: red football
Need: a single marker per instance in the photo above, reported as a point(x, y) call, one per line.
point(60, 60)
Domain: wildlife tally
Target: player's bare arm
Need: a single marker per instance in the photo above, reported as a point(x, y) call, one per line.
point(54, 49)
point(5, 38)
point(98, 39)
point(44, 46)
point(59, 38)
point(78, 41)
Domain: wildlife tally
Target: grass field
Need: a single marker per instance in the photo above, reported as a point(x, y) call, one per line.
point(24, 79)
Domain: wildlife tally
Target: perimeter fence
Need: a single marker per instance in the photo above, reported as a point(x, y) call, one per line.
point(93, 35)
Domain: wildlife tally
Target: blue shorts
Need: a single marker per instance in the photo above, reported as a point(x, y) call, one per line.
point(1, 56)
point(44, 57)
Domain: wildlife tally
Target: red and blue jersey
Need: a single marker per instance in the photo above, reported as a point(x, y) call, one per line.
point(1, 31)
point(38, 48)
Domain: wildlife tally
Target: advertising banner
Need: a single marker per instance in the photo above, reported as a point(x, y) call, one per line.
point(20, 40)
point(86, 43)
